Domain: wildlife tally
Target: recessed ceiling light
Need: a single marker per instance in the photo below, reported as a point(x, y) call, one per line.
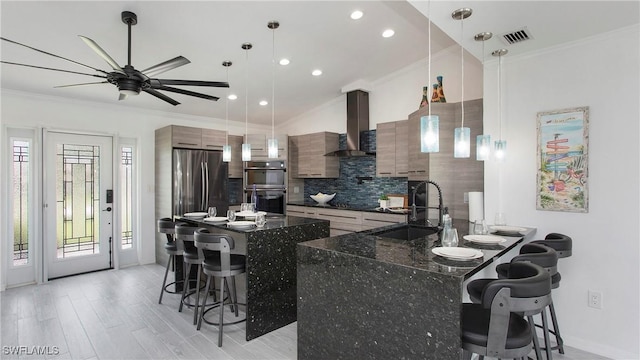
point(316, 72)
point(388, 33)
point(232, 96)
point(263, 102)
point(284, 61)
point(356, 15)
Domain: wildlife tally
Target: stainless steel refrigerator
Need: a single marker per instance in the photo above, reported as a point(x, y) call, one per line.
point(200, 180)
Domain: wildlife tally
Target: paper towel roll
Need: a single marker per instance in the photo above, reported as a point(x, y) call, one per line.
point(476, 205)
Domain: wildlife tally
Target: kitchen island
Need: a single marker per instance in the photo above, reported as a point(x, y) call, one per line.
point(382, 294)
point(269, 285)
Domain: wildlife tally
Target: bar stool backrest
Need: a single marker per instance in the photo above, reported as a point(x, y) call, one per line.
point(561, 243)
point(167, 226)
point(184, 236)
point(527, 292)
point(215, 245)
point(538, 254)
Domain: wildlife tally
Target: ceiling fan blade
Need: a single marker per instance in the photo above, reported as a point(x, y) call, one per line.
point(91, 83)
point(187, 92)
point(166, 66)
point(161, 96)
point(48, 68)
point(163, 82)
point(54, 55)
point(103, 54)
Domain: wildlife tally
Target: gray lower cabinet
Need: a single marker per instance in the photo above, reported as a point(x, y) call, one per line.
point(346, 221)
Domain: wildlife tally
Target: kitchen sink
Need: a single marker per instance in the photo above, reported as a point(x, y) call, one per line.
point(408, 232)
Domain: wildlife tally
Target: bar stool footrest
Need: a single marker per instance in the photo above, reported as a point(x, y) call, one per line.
point(217, 304)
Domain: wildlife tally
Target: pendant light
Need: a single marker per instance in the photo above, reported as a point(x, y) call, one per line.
point(500, 147)
point(272, 144)
point(462, 135)
point(246, 147)
point(483, 142)
point(226, 149)
point(429, 125)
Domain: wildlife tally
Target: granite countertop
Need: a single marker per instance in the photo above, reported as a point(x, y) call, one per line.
point(345, 207)
point(274, 221)
point(415, 253)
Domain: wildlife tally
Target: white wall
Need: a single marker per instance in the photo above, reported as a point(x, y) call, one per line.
point(31, 111)
point(396, 95)
point(602, 73)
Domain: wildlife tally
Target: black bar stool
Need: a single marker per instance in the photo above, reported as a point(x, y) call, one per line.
point(219, 262)
point(167, 226)
point(184, 238)
point(540, 255)
point(563, 245)
point(496, 325)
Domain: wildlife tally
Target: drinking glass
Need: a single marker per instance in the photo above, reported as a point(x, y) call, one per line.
point(212, 211)
point(261, 219)
point(231, 215)
point(246, 207)
point(501, 219)
point(480, 227)
point(450, 238)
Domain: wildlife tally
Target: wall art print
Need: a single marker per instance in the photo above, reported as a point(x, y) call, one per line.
point(563, 138)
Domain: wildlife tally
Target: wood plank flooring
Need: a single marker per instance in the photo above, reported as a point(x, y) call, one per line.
point(116, 315)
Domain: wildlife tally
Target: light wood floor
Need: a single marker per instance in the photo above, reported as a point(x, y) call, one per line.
point(116, 315)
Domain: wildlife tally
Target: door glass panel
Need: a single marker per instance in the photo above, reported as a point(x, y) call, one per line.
point(126, 190)
point(77, 200)
point(20, 197)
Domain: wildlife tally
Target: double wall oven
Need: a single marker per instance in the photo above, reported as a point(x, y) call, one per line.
point(270, 180)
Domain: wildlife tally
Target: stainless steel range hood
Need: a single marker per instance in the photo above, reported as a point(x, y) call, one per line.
point(357, 121)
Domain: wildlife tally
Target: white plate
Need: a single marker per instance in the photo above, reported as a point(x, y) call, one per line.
point(241, 224)
point(195, 214)
point(485, 239)
point(398, 210)
point(457, 253)
point(508, 229)
point(215, 219)
point(249, 214)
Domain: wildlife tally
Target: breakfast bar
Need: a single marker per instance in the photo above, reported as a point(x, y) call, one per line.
point(383, 293)
point(269, 286)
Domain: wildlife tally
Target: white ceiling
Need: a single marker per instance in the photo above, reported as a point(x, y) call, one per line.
point(312, 34)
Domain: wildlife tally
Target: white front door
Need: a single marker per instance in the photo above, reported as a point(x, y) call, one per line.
point(78, 209)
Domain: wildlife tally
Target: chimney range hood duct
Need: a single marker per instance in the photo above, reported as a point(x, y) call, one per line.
point(357, 121)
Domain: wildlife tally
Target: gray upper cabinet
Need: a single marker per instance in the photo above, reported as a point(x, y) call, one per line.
point(391, 149)
point(196, 138)
point(259, 149)
point(418, 167)
point(310, 151)
point(235, 165)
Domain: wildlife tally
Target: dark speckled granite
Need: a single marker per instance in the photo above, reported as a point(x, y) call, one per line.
point(270, 285)
point(368, 296)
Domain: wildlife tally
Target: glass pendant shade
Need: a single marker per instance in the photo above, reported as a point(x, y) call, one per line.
point(246, 152)
point(462, 142)
point(272, 148)
point(483, 147)
point(226, 153)
point(500, 150)
point(429, 134)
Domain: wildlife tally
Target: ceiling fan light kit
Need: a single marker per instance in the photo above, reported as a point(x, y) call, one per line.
point(127, 79)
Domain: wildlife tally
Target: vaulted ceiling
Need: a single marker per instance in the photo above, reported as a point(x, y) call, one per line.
point(312, 35)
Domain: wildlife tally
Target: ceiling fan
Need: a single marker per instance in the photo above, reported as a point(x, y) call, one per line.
point(127, 79)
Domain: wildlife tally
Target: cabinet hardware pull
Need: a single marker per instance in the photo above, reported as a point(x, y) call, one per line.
point(181, 143)
point(385, 173)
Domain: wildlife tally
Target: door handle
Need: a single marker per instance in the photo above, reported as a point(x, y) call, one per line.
point(108, 209)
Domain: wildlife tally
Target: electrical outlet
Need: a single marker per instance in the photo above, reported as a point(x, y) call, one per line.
point(595, 299)
point(296, 189)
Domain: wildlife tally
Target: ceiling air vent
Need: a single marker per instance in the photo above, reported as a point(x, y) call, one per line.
point(517, 36)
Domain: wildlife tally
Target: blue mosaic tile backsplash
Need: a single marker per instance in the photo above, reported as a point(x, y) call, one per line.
point(348, 190)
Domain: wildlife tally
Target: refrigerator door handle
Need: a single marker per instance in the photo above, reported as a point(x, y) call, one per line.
point(202, 177)
point(206, 184)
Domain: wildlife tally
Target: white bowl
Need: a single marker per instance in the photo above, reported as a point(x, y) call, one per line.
point(322, 199)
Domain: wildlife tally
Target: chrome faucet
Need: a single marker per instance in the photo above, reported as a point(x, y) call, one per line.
point(414, 213)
